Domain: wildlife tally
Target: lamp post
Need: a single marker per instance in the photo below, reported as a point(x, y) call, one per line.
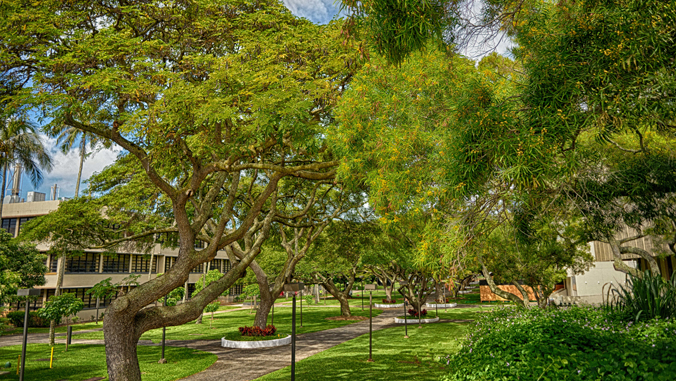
point(274, 297)
point(405, 283)
point(301, 309)
point(370, 287)
point(293, 287)
point(164, 336)
point(419, 304)
point(25, 292)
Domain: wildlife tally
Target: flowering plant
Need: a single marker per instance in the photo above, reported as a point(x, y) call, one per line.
point(390, 301)
point(414, 312)
point(258, 331)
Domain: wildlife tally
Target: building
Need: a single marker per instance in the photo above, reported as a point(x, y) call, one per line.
point(592, 286)
point(83, 272)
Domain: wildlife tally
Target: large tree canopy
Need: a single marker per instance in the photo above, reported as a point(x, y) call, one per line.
point(214, 102)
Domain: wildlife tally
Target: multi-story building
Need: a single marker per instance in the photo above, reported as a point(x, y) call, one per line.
point(592, 286)
point(84, 271)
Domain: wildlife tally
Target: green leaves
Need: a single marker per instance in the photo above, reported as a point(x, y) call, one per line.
point(58, 307)
point(21, 266)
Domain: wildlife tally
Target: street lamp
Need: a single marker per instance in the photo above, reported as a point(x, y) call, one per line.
point(370, 288)
point(293, 287)
point(164, 336)
point(25, 292)
point(405, 283)
point(274, 298)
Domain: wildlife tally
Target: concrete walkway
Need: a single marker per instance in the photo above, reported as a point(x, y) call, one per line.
point(242, 365)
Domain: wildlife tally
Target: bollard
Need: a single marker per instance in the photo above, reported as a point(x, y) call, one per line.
point(51, 358)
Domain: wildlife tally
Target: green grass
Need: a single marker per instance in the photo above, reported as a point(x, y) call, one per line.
point(63, 328)
point(395, 358)
point(86, 361)
point(314, 319)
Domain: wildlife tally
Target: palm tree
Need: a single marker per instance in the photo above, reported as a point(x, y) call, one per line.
point(20, 144)
point(66, 138)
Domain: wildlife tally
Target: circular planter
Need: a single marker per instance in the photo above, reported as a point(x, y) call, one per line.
point(447, 305)
point(388, 305)
point(255, 344)
point(465, 292)
point(415, 321)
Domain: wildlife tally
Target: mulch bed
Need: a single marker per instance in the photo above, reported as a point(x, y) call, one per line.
point(341, 318)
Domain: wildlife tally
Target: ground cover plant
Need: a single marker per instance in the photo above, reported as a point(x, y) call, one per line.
point(227, 325)
point(82, 362)
point(644, 297)
point(580, 343)
point(395, 358)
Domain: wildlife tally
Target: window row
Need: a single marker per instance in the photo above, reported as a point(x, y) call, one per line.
point(9, 224)
point(119, 263)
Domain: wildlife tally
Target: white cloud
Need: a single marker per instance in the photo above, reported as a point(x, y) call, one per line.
point(317, 11)
point(65, 168)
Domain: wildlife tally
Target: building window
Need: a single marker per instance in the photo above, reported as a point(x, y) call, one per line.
point(53, 263)
point(191, 290)
point(9, 225)
point(80, 293)
point(236, 289)
point(141, 264)
point(169, 263)
point(116, 264)
point(88, 263)
point(199, 269)
point(23, 221)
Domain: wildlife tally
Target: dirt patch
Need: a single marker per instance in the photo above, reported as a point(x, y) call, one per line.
point(341, 318)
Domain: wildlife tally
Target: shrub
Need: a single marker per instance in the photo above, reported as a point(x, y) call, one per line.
point(34, 320)
point(309, 299)
point(257, 331)
point(414, 312)
point(580, 343)
point(644, 297)
point(390, 301)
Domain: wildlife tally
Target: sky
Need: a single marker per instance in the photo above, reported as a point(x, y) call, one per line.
point(64, 173)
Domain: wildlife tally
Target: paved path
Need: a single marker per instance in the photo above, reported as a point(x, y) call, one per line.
point(241, 365)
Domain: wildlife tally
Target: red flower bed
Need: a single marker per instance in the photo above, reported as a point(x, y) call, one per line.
point(388, 301)
point(414, 313)
point(257, 331)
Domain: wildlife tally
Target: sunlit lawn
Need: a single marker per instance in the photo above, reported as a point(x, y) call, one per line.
point(227, 324)
point(82, 362)
point(395, 358)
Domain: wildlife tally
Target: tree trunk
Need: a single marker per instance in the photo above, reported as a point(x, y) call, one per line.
point(438, 292)
point(121, 341)
point(2, 190)
point(341, 296)
point(501, 293)
point(59, 282)
point(264, 307)
point(204, 285)
point(83, 142)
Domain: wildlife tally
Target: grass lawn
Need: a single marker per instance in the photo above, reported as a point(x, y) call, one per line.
point(314, 319)
point(76, 327)
point(82, 362)
point(395, 358)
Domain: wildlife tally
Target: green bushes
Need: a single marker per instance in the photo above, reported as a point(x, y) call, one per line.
point(564, 344)
point(34, 320)
point(645, 297)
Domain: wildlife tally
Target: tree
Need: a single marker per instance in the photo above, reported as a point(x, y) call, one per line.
point(208, 98)
point(20, 145)
point(60, 306)
point(337, 256)
point(212, 307)
point(21, 266)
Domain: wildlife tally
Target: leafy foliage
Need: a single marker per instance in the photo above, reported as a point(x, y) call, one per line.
point(644, 297)
point(269, 330)
point(21, 266)
point(34, 319)
point(60, 306)
point(564, 344)
point(414, 312)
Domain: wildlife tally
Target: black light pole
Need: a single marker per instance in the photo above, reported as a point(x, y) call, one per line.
point(405, 283)
point(293, 287)
point(164, 335)
point(301, 310)
point(419, 304)
point(370, 287)
point(362, 298)
point(25, 292)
